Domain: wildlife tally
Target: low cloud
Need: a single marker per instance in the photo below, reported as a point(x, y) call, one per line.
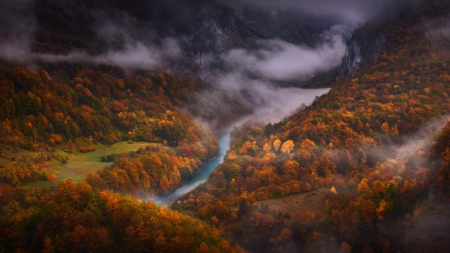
point(413, 144)
point(18, 23)
point(133, 55)
point(278, 60)
point(438, 32)
point(283, 102)
point(15, 50)
point(250, 77)
point(443, 30)
point(269, 103)
point(127, 47)
point(17, 27)
point(422, 139)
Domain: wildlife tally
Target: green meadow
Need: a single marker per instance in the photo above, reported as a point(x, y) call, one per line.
point(79, 165)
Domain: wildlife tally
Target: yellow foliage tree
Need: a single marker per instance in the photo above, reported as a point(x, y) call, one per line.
point(267, 147)
point(333, 190)
point(276, 144)
point(287, 146)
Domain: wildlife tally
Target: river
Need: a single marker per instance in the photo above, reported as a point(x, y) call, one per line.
point(282, 104)
point(202, 176)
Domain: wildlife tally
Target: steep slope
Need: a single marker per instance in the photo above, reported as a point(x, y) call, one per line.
point(368, 42)
point(41, 115)
point(356, 142)
point(75, 218)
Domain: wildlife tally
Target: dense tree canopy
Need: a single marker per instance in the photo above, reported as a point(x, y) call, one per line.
point(355, 142)
point(76, 218)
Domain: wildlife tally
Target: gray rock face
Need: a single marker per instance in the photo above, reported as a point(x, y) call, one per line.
point(377, 46)
point(351, 60)
point(356, 54)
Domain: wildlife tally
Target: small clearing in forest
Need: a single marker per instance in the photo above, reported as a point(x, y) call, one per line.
point(79, 165)
point(310, 201)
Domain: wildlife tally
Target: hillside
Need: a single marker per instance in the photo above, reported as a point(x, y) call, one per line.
point(67, 88)
point(40, 115)
point(76, 218)
point(106, 103)
point(370, 140)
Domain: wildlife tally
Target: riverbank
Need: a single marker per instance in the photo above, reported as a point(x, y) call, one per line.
point(224, 143)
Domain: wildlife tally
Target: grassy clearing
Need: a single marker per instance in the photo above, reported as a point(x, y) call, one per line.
point(38, 184)
point(8, 155)
point(298, 202)
point(79, 165)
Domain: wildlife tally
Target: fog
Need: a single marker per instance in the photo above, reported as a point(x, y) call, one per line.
point(133, 55)
point(274, 59)
point(443, 29)
point(438, 29)
point(422, 139)
point(252, 75)
point(410, 148)
point(282, 61)
point(269, 102)
point(17, 27)
point(248, 75)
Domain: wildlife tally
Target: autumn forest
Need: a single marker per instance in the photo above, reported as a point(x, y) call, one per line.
point(107, 107)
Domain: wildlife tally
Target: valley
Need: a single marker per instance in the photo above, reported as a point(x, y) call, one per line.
point(224, 126)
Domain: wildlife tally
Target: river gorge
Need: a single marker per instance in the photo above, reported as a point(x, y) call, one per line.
point(275, 111)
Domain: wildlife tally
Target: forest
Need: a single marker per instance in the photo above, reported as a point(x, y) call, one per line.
point(364, 168)
point(374, 141)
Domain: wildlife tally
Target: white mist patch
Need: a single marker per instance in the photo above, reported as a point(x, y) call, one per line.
point(282, 61)
point(17, 22)
point(438, 27)
point(270, 103)
point(251, 75)
point(413, 149)
point(422, 139)
point(283, 102)
point(133, 55)
point(15, 51)
point(443, 30)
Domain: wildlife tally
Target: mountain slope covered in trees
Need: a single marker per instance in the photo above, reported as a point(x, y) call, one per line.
point(39, 114)
point(370, 141)
point(76, 218)
point(366, 166)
